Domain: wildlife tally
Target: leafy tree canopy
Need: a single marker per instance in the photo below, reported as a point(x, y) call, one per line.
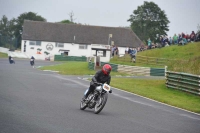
point(7, 26)
point(26, 16)
point(13, 28)
point(148, 21)
point(20, 20)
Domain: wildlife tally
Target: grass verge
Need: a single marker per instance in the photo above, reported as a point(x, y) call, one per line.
point(3, 55)
point(75, 68)
point(156, 90)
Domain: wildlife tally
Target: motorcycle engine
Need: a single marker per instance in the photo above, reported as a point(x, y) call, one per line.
point(92, 103)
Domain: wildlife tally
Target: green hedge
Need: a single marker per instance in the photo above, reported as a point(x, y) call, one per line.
point(69, 58)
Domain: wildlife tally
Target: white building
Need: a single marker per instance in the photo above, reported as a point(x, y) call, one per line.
point(39, 38)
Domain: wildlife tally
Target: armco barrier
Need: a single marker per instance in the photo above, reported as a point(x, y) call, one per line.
point(157, 72)
point(136, 70)
point(69, 58)
point(114, 66)
point(183, 81)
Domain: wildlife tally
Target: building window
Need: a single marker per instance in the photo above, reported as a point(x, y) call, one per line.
point(32, 43)
point(82, 46)
point(60, 45)
point(37, 43)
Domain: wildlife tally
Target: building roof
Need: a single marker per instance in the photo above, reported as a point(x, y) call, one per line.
point(80, 34)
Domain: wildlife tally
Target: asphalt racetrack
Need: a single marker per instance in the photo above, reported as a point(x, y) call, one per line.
point(35, 101)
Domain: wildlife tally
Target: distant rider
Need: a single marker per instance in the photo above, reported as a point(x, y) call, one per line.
point(32, 60)
point(11, 60)
point(101, 76)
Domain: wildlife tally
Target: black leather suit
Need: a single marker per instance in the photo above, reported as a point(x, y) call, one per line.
point(99, 77)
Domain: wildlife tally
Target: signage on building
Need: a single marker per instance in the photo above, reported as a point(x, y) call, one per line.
point(49, 47)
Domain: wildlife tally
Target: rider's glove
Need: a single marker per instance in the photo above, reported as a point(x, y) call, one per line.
point(110, 91)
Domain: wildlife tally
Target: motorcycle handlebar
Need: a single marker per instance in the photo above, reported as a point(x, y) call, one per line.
point(98, 83)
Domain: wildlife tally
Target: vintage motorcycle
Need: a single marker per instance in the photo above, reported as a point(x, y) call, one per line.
point(32, 62)
point(12, 61)
point(97, 99)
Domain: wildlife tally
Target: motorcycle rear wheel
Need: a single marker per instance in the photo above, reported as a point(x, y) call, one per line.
point(100, 103)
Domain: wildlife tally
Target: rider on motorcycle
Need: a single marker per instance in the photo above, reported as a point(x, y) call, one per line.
point(32, 57)
point(11, 60)
point(32, 62)
point(101, 76)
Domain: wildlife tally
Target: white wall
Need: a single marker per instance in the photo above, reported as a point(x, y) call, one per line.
point(105, 59)
point(73, 50)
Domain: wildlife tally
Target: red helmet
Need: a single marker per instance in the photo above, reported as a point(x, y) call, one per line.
point(106, 69)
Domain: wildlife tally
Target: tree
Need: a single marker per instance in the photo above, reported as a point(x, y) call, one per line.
point(7, 38)
point(71, 14)
point(66, 22)
point(20, 20)
point(71, 21)
point(148, 21)
point(7, 27)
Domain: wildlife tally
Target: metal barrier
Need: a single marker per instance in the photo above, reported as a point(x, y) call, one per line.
point(136, 70)
point(114, 66)
point(157, 72)
point(183, 81)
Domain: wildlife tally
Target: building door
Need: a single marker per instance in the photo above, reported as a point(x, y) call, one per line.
point(65, 53)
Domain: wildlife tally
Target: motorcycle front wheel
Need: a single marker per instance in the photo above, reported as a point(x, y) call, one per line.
point(101, 102)
point(83, 105)
point(32, 63)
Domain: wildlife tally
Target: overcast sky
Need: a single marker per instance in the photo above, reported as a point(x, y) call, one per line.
point(184, 15)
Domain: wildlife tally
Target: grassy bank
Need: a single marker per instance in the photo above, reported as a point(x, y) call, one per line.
point(185, 52)
point(181, 58)
point(3, 55)
point(156, 89)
